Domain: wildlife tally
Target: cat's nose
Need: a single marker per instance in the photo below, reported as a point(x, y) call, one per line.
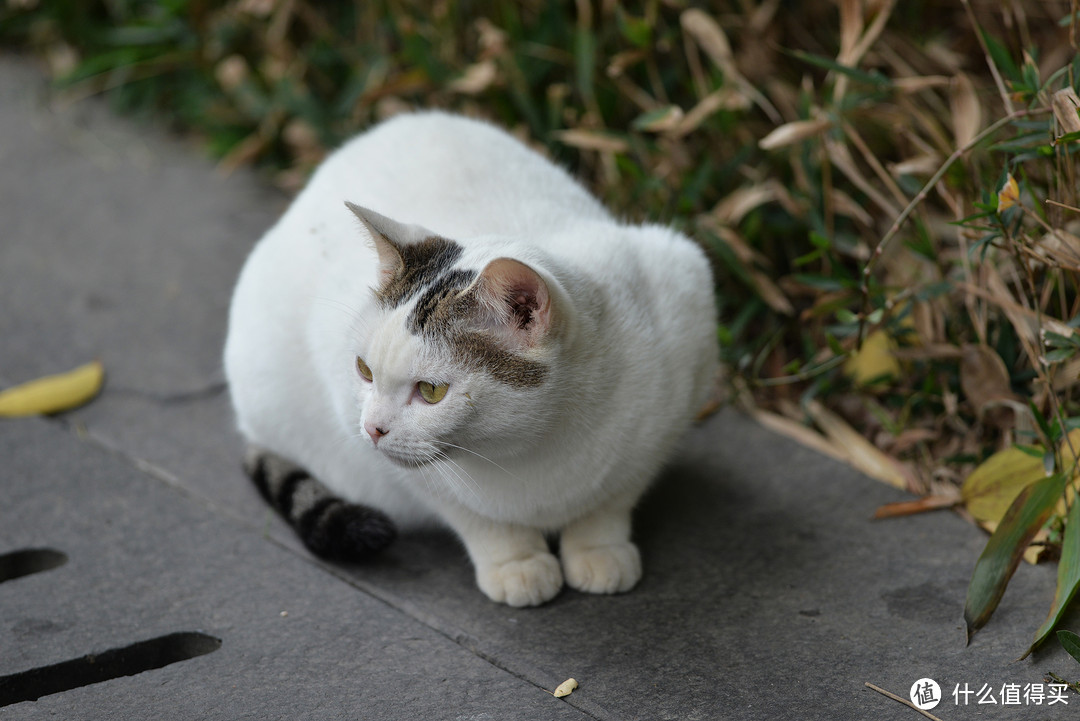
point(375, 432)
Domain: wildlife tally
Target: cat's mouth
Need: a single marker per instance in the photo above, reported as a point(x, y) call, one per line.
point(405, 458)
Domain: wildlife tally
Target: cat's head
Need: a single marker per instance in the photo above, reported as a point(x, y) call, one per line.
point(454, 359)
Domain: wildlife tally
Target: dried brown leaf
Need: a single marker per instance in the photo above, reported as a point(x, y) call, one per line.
point(723, 99)
point(1065, 104)
point(793, 132)
point(709, 36)
point(841, 157)
point(733, 208)
point(797, 432)
point(771, 294)
point(983, 376)
point(592, 140)
point(910, 508)
point(859, 452)
point(925, 164)
point(966, 110)
point(477, 78)
point(844, 204)
point(918, 83)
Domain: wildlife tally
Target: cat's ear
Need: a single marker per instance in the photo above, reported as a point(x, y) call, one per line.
point(514, 302)
point(387, 236)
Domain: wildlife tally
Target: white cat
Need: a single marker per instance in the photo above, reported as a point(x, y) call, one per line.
point(477, 342)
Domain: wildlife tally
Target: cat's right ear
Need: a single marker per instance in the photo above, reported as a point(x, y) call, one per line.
point(387, 236)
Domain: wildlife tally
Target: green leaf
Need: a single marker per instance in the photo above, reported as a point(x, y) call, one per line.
point(585, 62)
point(874, 77)
point(637, 30)
point(1068, 580)
point(1070, 642)
point(1060, 354)
point(1001, 56)
point(657, 119)
point(1027, 514)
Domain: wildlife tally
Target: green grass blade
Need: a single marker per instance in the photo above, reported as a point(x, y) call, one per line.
point(1068, 575)
point(873, 78)
point(1070, 642)
point(1027, 514)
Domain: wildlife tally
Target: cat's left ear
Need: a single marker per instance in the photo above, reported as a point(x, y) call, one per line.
point(388, 236)
point(515, 301)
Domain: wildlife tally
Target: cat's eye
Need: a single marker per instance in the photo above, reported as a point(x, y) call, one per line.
point(362, 368)
point(432, 393)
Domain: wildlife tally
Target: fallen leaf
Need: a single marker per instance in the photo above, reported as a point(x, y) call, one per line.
point(875, 363)
point(910, 508)
point(1070, 642)
point(992, 487)
point(797, 432)
point(565, 688)
point(55, 393)
point(858, 451)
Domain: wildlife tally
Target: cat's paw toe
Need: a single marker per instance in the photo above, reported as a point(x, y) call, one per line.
point(526, 582)
point(602, 569)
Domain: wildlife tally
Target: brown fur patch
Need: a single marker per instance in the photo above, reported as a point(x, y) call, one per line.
point(442, 314)
point(422, 264)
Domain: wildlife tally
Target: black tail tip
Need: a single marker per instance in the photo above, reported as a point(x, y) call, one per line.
point(349, 532)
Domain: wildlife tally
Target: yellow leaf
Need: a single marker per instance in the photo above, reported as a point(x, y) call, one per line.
point(874, 361)
point(1009, 195)
point(55, 393)
point(992, 487)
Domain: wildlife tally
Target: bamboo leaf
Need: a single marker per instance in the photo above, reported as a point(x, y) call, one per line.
point(1027, 514)
point(1070, 642)
point(1068, 575)
point(873, 77)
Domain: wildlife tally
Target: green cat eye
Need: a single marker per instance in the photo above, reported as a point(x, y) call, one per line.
point(362, 367)
point(432, 393)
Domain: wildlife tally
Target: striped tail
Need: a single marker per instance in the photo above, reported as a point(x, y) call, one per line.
point(329, 526)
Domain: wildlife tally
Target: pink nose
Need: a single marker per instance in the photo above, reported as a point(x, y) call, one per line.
point(375, 432)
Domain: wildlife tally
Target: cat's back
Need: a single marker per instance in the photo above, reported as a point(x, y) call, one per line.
point(454, 175)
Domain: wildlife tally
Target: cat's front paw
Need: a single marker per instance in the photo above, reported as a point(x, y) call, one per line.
point(526, 582)
point(602, 569)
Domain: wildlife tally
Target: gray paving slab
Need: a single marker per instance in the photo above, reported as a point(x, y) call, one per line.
point(146, 560)
point(768, 591)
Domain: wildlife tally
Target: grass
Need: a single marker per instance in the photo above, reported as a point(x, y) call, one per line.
point(889, 190)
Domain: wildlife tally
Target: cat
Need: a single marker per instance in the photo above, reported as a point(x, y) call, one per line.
point(445, 327)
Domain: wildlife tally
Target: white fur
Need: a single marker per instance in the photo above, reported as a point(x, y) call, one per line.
point(633, 359)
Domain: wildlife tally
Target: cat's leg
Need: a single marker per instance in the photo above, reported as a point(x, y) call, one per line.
point(513, 564)
point(597, 553)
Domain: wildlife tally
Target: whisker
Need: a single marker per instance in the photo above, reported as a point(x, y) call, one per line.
point(478, 455)
point(449, 468)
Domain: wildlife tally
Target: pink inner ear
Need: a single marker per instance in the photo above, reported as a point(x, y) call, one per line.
point(522, 295)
